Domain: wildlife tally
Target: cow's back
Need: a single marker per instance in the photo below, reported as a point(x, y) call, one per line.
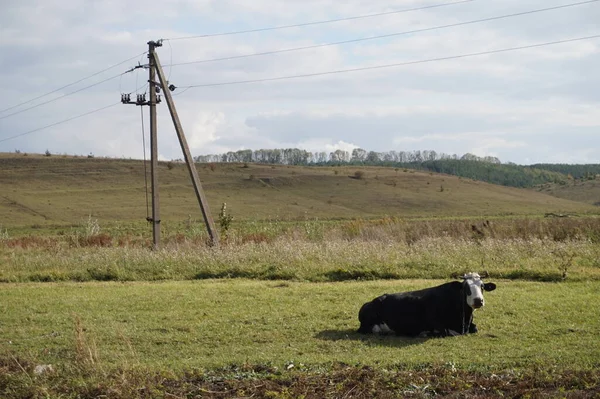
point(430, 309)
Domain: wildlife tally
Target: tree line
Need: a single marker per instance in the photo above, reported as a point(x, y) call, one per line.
point(488, 169)
point(295, 156)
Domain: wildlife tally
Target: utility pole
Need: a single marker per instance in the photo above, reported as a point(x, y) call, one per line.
point(155, 67)
point(189, 160)
point(153, 143)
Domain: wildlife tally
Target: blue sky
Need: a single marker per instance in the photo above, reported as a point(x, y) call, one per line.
point(528, 106)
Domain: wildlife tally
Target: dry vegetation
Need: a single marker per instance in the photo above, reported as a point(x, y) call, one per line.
point(340, 381)
point(540, 249)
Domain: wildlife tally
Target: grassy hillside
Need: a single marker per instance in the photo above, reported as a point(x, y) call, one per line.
point(587, 191)
point(58, 190)
point(503, 174)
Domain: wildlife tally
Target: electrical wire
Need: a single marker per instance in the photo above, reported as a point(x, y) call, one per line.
point(63, 96)
point(386, 35)
point(137, 75)
point(290, 49)
point(59, 123)
point(71, 84)
point(453, 57)
point(239, 32)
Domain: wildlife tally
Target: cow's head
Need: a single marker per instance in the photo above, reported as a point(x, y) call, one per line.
point(474, 287)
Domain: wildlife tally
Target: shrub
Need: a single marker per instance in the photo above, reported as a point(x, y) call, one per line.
point(224, 220)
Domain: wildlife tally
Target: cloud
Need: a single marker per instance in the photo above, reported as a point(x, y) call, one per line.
point(533, 105)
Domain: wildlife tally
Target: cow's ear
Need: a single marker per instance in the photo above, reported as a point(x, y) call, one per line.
point(489, 286)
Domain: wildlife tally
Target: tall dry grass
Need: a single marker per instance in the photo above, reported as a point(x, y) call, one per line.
point(535, 249)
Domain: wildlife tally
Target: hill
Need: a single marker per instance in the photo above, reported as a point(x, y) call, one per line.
point(36, 190)
point(504, 174)
point(583, 190)
point(488, 169)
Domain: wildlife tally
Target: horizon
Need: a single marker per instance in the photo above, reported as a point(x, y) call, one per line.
point(147, 159)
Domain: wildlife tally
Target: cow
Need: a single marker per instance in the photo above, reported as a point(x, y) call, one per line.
point(445, 310)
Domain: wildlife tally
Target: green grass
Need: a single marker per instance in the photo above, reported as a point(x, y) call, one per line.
point(210, 324)
point(89, 330)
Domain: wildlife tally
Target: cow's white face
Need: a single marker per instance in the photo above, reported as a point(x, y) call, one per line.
point(474, 288)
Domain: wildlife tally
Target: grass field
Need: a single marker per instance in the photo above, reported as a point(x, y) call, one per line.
point(213, 324)
point(272, 311)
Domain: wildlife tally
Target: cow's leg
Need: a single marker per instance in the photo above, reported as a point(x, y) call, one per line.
point(472, 328)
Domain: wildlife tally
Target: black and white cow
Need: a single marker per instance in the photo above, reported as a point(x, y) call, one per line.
point(443, 310)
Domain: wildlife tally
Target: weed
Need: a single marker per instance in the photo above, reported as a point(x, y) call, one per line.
point(86, 351)
point(224, 220)
point(359, 174)
point(566, 261)
point(91, 227)
point(3, 234)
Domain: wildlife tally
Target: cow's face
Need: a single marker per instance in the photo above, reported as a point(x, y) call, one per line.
point(474, 287)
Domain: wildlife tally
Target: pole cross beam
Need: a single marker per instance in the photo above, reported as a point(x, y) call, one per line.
point(140, 99)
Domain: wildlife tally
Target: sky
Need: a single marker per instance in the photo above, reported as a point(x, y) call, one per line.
point(538, 104)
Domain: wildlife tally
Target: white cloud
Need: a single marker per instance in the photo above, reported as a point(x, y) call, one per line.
point(531, 105)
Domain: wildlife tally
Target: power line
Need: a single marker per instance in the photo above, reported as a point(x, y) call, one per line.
point(59, 123)
point(63, 96)
point(387, 35)
point(390, 65)
point(239, 32)
point(71, 84)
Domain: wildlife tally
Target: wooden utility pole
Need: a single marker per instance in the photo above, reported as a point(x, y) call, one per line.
point(154, 67)
point(189, 160)
point(154, 143)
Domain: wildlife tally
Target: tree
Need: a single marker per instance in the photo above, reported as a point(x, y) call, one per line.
point(358, 155)
point(373, 157)
point(339, 156)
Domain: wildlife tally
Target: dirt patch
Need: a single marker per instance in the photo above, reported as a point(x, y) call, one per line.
point(294, 381)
